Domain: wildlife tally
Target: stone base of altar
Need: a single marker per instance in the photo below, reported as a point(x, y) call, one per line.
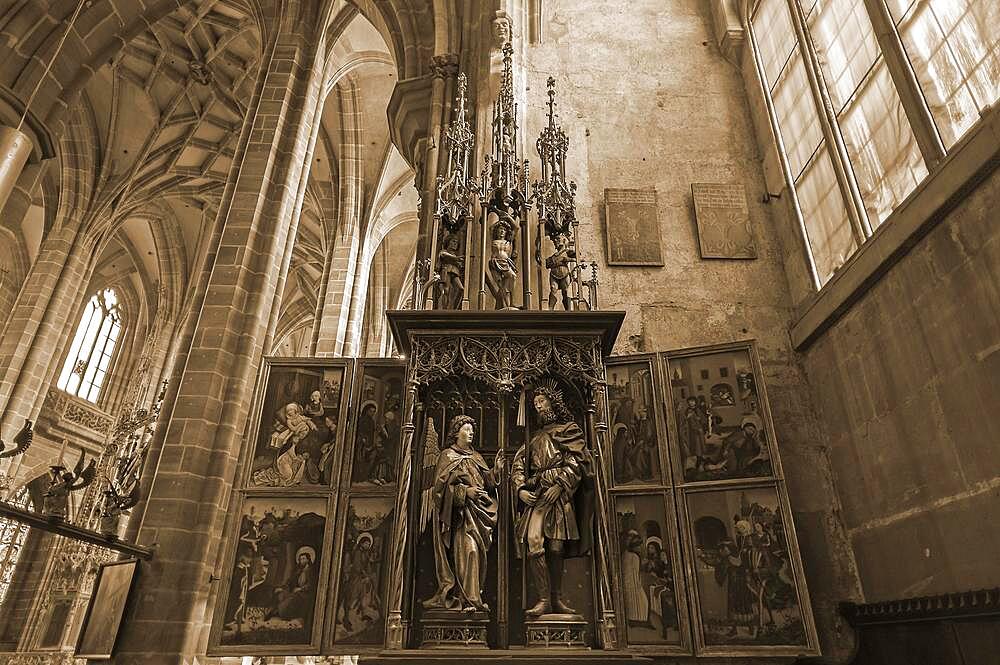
point(449, 629)
point(556, 630)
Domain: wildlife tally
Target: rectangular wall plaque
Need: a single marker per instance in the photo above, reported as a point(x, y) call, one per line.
point(724, 230)
point(633, 227)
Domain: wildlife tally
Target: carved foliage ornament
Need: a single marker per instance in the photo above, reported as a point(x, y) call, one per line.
point(505, 361)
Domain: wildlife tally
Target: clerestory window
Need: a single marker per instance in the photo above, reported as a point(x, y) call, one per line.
point(90, 355)
point(866, 97)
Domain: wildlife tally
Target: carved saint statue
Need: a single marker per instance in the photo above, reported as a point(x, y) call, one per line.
point(462, 513)
point(502, 271)
point(552, 476)
point(559, 271)
point(450, 266)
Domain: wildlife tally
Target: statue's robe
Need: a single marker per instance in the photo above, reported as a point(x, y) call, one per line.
point(558, 456)
point(463, 525)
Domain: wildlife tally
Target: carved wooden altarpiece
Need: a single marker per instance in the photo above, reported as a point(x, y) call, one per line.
point(353, 522)
point(484, 364)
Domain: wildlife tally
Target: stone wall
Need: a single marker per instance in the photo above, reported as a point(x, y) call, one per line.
point(907, 383)
point(649, 101)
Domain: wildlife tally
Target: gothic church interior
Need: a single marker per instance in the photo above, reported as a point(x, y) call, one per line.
point(400, 331)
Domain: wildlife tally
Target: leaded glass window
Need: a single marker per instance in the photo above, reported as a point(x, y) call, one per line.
point(93, 346)
point(847, 136)
point(954, 49)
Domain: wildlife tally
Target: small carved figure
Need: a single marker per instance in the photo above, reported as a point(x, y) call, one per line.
point(502, 28)
point(559, 271)
point(22, 441)
point(116, 506)
point(502, 265)
point(462, 513)
point(55, 501)
point(552, 476)
point(450, 267)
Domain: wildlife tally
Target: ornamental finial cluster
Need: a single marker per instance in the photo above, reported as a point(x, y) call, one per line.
point(455, 189)
point(507, 250)
point(504, 171)
point(554, 196)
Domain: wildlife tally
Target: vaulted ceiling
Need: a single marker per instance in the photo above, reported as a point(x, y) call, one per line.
point(156, 129)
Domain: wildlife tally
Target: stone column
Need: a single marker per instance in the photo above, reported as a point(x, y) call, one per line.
point(185, 511)
point(40, 322)
point(333, 327)
point(15, 149)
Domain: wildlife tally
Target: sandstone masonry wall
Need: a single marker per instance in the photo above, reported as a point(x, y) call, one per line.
point(907, 383)
point(649, 101)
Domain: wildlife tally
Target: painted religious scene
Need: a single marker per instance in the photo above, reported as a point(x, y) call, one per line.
point(746, 575)
point(276, 576)
point(360, 606)
point(298, 426)
point(378, 428)
point(632, 424)
point(721, 429)
point(649, 593)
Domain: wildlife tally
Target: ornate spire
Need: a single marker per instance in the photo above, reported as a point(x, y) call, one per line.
point(506, 174)
point(554, 195)
point(454, 191)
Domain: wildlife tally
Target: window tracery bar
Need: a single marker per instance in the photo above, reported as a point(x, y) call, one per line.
point(865, 96)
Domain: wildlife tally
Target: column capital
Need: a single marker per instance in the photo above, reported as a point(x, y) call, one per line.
point(445, 65)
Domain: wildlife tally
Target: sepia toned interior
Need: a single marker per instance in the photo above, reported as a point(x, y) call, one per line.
point(729, 267)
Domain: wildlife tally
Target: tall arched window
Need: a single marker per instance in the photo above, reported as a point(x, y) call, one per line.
point(90, 354)
point(863, 96)
point(12, 535)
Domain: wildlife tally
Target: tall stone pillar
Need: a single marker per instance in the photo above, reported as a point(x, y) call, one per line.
point(15, 149)
point(333, 325)
point(40, 322)
point(189, 490)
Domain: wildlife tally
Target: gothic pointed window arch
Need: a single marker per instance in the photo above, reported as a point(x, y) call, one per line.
point(89, 357)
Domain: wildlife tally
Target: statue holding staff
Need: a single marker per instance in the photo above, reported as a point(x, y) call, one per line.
point(553, 477)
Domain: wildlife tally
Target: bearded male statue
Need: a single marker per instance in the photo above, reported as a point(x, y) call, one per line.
point(552, 476)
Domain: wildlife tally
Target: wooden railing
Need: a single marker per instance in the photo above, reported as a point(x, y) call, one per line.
point(949, 629)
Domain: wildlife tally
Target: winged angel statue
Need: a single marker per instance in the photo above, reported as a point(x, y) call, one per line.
point(459, 502)
point(55, 502)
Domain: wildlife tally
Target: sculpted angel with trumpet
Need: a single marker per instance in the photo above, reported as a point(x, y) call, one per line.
point(62, 482)
point(22, 441)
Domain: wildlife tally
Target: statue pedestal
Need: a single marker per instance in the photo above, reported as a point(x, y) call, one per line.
point(450, 629)
point(556, 630)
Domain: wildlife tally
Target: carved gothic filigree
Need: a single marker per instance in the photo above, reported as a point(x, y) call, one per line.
point(460, 395)
point(557, 634)
point(506, 361)
point(76, 412)
point(468, 636)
